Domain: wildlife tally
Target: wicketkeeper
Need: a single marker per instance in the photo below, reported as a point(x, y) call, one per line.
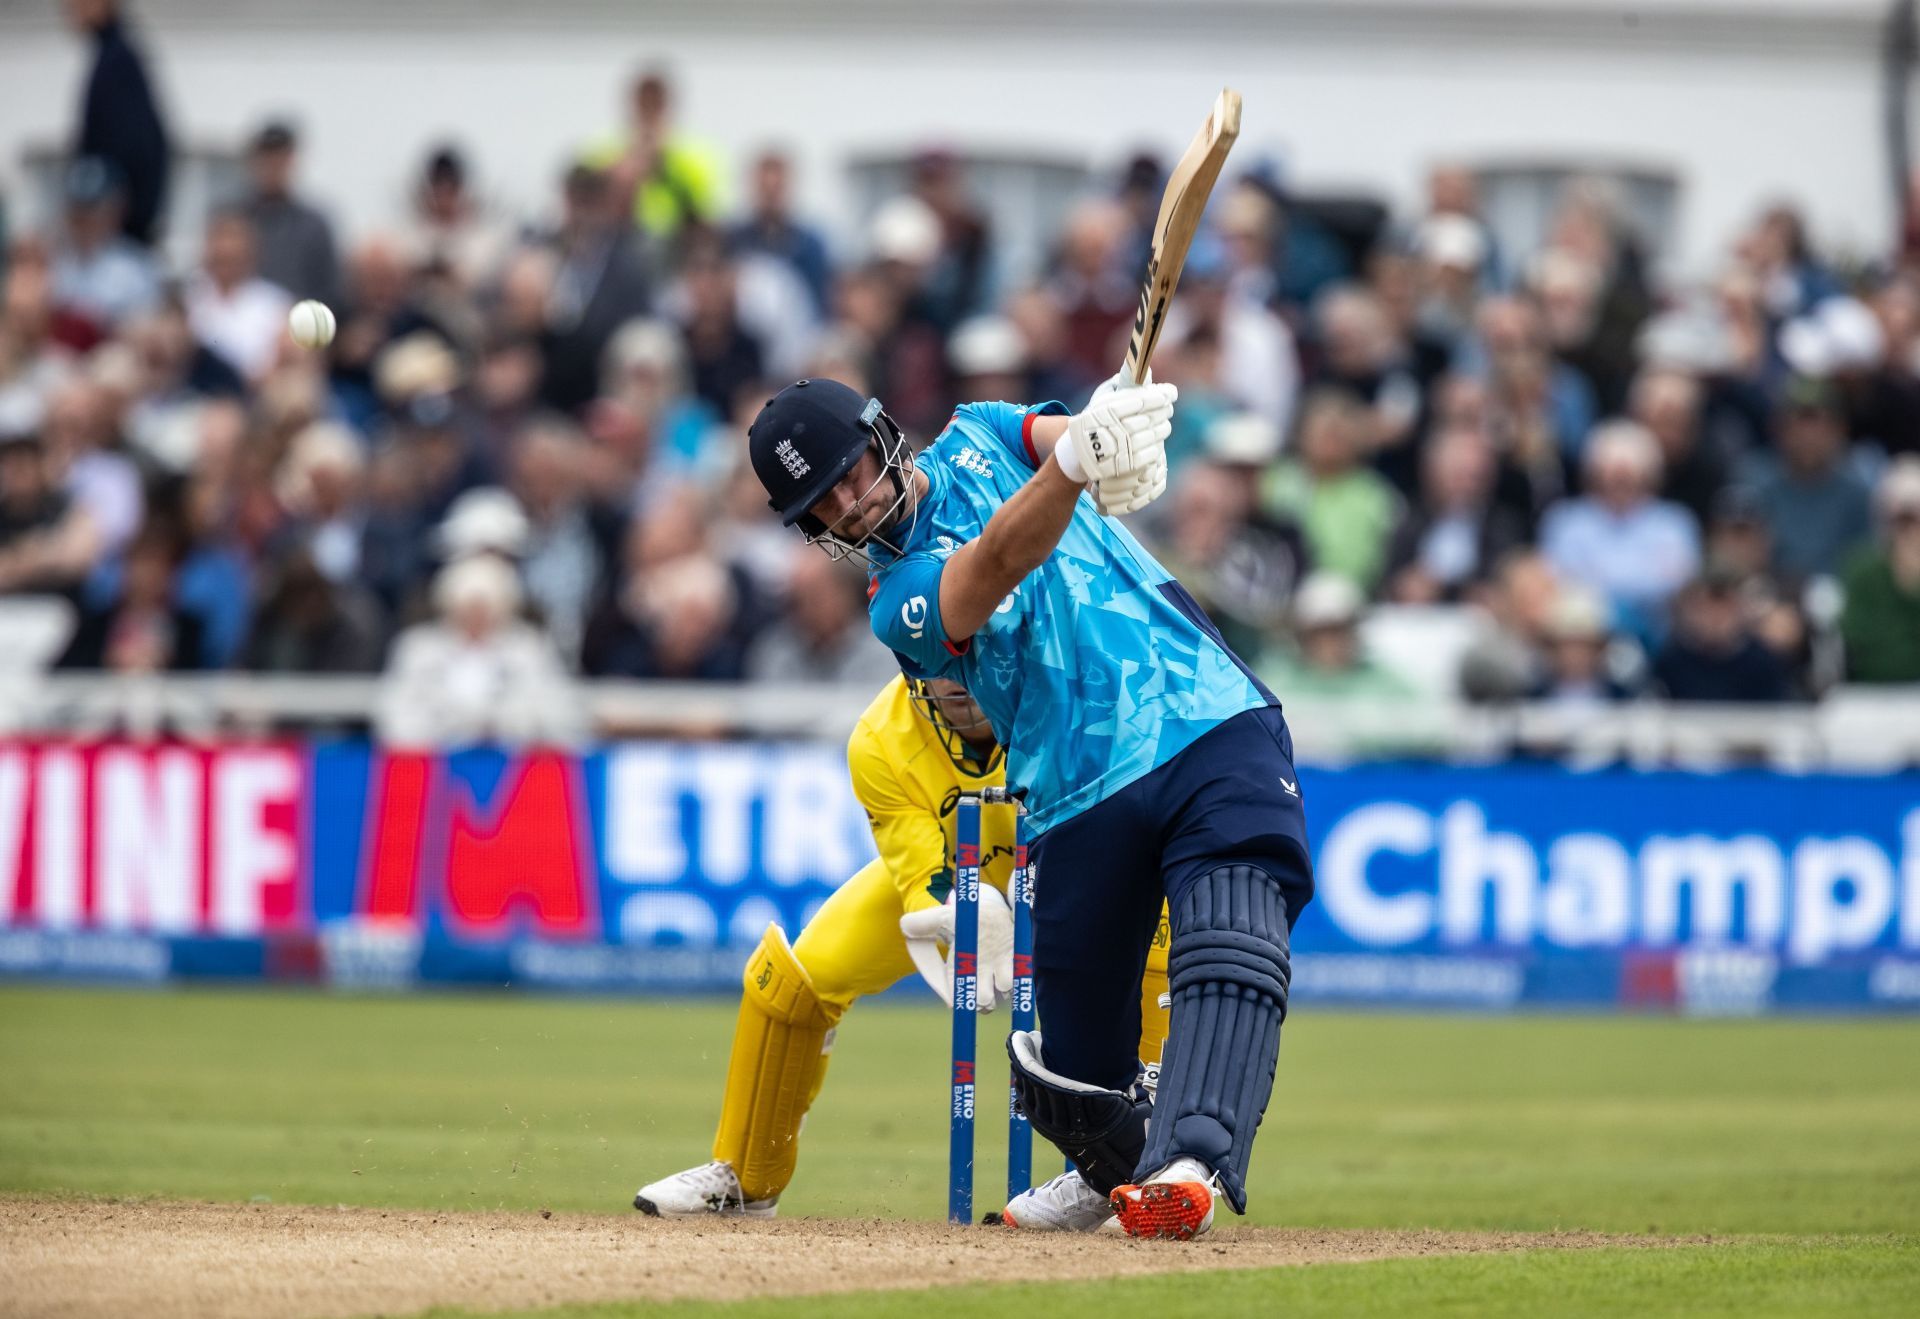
point(918, 747)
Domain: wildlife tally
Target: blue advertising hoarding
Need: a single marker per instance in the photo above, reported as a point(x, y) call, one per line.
point(653, 866)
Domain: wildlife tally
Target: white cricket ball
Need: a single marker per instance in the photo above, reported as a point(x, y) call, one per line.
point(311, 324)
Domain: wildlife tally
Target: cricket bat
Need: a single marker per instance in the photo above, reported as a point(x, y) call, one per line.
point(1180, 210)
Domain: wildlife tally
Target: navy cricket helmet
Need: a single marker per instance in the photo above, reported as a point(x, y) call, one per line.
point(808, 437)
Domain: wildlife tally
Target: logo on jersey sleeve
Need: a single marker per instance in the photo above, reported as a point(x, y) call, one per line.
point(914, 614)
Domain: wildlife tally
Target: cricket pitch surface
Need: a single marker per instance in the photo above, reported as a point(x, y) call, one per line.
point(70, 1258)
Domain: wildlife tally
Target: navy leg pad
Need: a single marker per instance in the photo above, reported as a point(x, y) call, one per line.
point(1228, 973)
point(1102, 1131)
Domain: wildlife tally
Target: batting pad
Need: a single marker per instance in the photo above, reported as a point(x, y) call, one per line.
point(779, 1060)
point(1229, 972)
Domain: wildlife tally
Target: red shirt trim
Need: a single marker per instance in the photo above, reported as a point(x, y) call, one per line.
point(960, 649)
point(1026, 438)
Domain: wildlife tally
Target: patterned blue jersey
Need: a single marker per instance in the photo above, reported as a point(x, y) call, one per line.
point(1096, 670)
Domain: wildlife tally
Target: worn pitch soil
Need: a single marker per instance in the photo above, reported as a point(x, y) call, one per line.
point(156, 1259)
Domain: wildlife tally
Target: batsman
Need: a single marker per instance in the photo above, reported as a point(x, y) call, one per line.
point(916, 749)
point(1154, 766)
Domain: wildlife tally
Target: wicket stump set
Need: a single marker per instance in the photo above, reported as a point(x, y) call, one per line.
point(966, 986)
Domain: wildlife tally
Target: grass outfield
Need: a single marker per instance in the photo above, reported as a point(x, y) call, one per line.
point(1806, 1131)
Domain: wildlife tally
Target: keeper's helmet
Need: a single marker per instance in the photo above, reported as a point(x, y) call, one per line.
point(805, 441)
point(958, 721)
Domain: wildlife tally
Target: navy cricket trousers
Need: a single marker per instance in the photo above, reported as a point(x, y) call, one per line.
point(1230, 797)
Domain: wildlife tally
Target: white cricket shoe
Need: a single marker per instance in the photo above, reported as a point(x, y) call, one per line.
point(1176, 1202)
point(712, 1188)
point(1065, 1204)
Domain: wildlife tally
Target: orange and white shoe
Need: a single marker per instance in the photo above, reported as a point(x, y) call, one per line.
point(1175, 1203)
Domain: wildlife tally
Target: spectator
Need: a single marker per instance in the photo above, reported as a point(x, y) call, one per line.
point(1589, 228)
point(1713, 654)
point(450, 228)
point(1362, 354)
point(1191, 362)
point(675, 622)
point(100, 276)
point(1739, 542)
point(1346, 509)
point(309, 623)
point(1539, 405)
point(180, 377)
point(823, 636)
point(1619, 539)
point(384, 308)
point(1240, 566)
point(1328, 662)
point(293, 238)
point(1669, 404)
point(662, 178)
point(1506, 659)
point(675, 611)
point(721, 353)
point(1452, 253)
point(215, 581)
point(1791, 281)
point(101, 481)
point(988, 359)
point(649, 426)
point(1881, 620)
point(232, 310)
point(476, 673)
point(506, 388)
point(959, 281)
point(890, 304)
point(566, 547)
point(1577, 639)
point(31, 362)
point(321, 487)
point(1452, 538)
point(1095, 286)
point(1888, 408)
point(1453, 195)
point(1530, 473)
point(1818, 509)
point(1567, 288)
point(1043, 335)
point(772, 229)
point(1258, 367)
point(599, 285)
point(44, 545)
point(1248, 222)
point(142, 630)
point(119, 121)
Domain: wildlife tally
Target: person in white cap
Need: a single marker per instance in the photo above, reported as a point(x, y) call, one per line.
point(1329, 661)
point(477, 673)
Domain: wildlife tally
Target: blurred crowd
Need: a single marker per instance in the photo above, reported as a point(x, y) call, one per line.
point(522, 456)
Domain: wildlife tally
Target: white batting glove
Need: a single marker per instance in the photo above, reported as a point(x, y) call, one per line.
point(1119, 435)
point(1130, 494)
point(1117, 381)
point(930, 931)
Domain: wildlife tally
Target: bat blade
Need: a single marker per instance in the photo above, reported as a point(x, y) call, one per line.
point(1181, 207)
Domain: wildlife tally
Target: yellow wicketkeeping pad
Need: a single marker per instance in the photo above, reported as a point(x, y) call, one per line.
point(779, 1060)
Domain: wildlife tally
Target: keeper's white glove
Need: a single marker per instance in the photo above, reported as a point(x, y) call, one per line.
point(1119, 443)
point(930, 944)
